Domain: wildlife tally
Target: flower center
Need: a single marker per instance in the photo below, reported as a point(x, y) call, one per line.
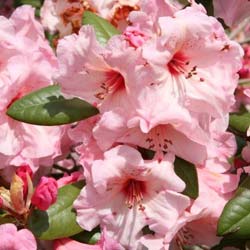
point(134, 190)
point(157, 139)
point(178, 64)
point(113, 83)
point(184, 238)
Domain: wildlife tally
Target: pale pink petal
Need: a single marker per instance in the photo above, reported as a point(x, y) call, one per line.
point(69, 244)
point(233, 11)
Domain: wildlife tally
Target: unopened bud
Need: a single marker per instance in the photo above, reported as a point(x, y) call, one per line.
point(45, 193)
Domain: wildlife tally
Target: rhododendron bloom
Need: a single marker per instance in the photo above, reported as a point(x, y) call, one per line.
point(198, 224)
point(222, 146)
point(194, 83)
point(105, 243)
point(233, 11)
point(124, 194)
point(87, 147)
point(180, 90)
point(45, 193)
point(97, 74)
point(113, 127)
point(27, 64)
point(11, 239)
point(217, 188)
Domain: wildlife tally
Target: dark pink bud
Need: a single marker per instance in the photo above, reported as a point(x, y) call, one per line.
point(22, 172)
point(45, 194)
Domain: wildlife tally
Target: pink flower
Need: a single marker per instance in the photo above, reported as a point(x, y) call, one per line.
point(188, 80)
point(11, 239)
point(87, 148)
point(135, 36)
point(105, 243)
point(222, 146)
point(176, 93)
point(124, 194)
point(114, 128)
point(103, 70)
point(201, 229)
point(197, 225)
point(233, 11)
point(45, 193)
point(27, 64)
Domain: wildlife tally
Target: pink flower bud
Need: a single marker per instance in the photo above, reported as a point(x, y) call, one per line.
point(135, 36)
point(22, 172)
point(45, 194)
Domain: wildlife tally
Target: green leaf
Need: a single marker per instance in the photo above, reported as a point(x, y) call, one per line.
point(146, 154)
point(59, 220)
point(241, 143)
point(240, 122)
point(48, 107)
point(88, 237)
point(227, 242)
point(103, 29)
point(235, 218)
point(34, 3)
point(187, 172)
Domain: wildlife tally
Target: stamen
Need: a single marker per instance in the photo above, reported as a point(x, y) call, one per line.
point(114, 82)
point(178, 64)
point(134, 190)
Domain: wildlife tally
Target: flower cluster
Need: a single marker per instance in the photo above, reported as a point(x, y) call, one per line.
point(164, 78)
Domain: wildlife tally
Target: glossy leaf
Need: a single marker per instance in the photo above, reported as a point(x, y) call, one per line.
point(48, 107)
point(227, 242)
point(59, 220)
point(187, 172)
point(34, 3)
point(91, 237)
point(240, 122)
point(103, 29)
point(235, 218)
